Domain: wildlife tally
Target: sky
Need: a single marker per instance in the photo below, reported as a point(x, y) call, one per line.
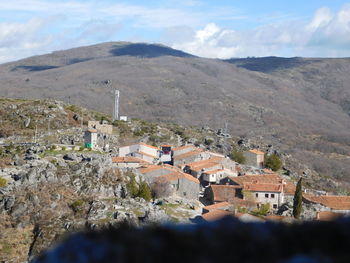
point(213, 29)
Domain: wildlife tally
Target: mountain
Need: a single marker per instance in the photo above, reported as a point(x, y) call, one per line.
point(300, 105)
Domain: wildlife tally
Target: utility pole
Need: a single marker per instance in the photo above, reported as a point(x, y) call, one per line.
point(48, 127)
point(35, 134)
point(116, 106)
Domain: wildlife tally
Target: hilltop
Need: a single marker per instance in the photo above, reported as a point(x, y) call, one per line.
point(300, 105)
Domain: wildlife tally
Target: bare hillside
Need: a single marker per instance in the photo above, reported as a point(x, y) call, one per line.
point(301, 105)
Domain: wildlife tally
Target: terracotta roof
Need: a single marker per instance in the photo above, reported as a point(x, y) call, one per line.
point(184, 147)
point(147, 154)
point(92, 130)
point(150, 146)
point(332, 201)
point(216, 215)
point(214, 171)
point(149, 168)
point(204, 162)
point(256, 151)
point(179, 175)
point(289, 188)
point(328, 216)
point(263, 187)
point(257, 178)
point(188, 154)
point(128, 160)
point(221, 205)
point(224, 193)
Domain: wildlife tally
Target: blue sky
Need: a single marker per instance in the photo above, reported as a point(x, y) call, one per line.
point(216, 29)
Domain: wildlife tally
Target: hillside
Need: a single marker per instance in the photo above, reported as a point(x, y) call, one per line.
point(299, 105)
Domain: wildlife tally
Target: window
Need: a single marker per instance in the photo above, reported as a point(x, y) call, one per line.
point(267, 195)
point(272, 195)
point(256, 195)
point(274, 205)
point(184, 193)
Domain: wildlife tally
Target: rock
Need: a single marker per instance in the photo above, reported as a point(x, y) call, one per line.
point(97, 210)
point(76, 117)
point(70, 157)
point(19, 209)
point(9, 202)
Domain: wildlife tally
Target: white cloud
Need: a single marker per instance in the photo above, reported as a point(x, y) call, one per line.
point(326, 34)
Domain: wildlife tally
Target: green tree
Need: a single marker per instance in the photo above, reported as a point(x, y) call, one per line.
point(238, 156)
point(145, 191)
point(273, 162)
point(132, 186)
point(298, 200)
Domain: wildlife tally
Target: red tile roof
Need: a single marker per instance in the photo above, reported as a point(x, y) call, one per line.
point(216, 215)
point(214, 171)
point(332, 201)
point(288, 186)
point(262, 187)
point(256, 151)
point(178, 175)
point(188, 154)
point(224, 193)
point(217, 206)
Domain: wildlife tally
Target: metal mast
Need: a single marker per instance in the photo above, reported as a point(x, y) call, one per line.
point(116, 106)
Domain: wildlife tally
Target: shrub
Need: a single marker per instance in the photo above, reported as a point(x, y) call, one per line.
point(208, 141)
point(273, 162)
point(262, 211)
point(77, 205)
point(238, 156)
point(3, 182)
point(144, 191)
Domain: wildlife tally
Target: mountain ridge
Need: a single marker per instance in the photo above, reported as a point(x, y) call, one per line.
point(300, 104)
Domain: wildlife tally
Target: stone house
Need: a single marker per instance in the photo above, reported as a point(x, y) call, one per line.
point(255, 158)
point(183, 185)
point(141, 150)
point(100, 127)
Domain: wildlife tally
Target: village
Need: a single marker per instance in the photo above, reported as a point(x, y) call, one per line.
point(249, 192)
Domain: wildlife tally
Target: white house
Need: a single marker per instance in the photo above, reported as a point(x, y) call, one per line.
point(90, 139)
point(141, 150)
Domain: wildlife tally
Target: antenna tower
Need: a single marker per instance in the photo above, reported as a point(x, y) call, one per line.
point(116, 106)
